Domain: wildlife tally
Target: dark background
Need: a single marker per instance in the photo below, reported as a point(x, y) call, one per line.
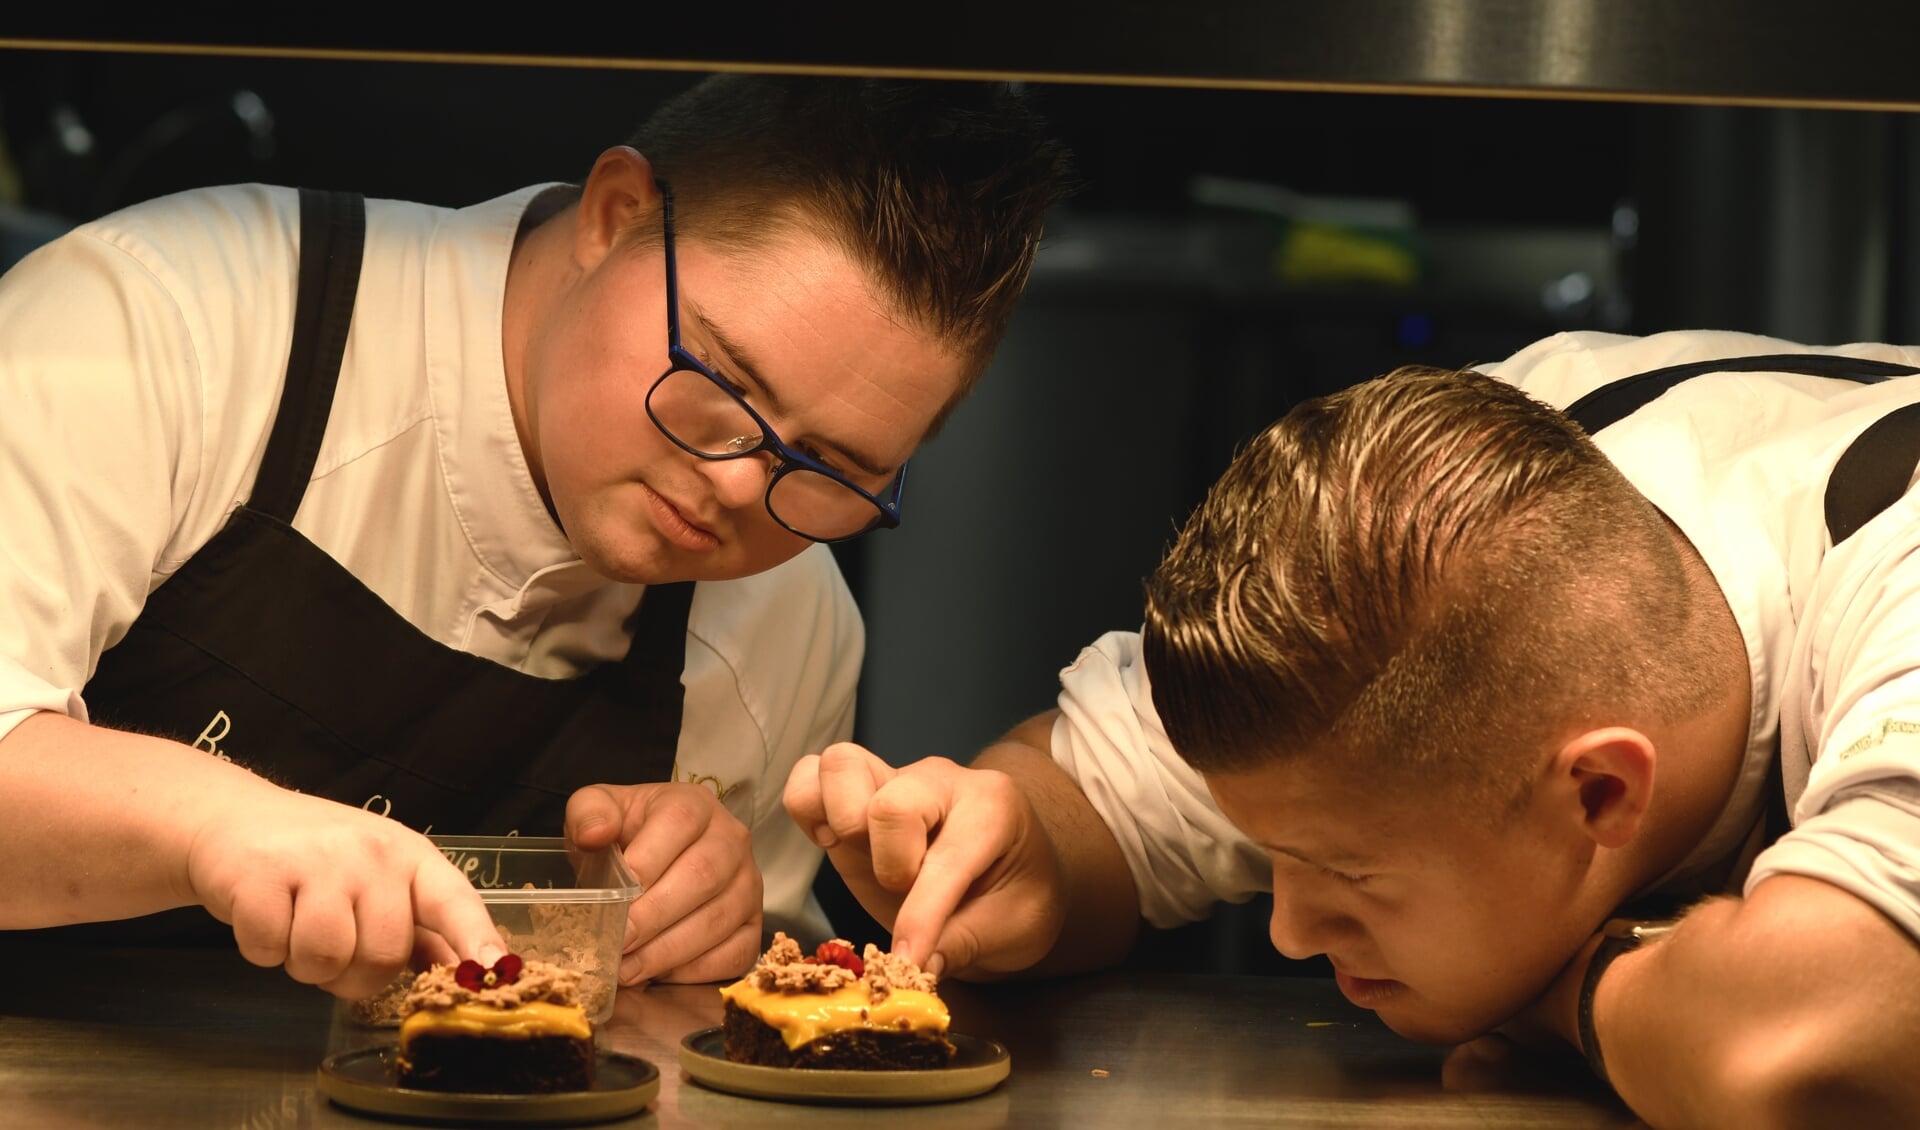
point(1157, 333)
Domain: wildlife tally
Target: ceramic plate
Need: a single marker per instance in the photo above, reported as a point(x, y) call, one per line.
point(363, 1081)
point(978, 1067)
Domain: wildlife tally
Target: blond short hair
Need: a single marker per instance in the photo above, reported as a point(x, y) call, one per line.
point(1432, 572)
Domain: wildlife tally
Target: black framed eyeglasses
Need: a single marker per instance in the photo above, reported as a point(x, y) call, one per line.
point(705, 415)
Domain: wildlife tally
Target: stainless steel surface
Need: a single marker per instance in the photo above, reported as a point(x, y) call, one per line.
point(200, 1039)
point(1772, 52)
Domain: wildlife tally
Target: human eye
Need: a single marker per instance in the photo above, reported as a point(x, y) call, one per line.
point(1306, 866)
point(818, 455)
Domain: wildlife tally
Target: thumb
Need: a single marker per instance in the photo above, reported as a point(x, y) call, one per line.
point(1491, 1048)
point(957, 949)
point(1481, 1064)
point(594, 816)
point(986, 938)
point(923, 928)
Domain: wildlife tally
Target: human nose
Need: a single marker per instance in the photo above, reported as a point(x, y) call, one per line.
point(1303, 926)
point(739, 482)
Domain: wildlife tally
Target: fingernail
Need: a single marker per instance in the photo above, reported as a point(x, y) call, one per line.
point(823, 835)
point(630, 971)
point(936, 965)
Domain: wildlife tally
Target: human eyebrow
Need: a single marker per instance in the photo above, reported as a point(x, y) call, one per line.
point(742, 363)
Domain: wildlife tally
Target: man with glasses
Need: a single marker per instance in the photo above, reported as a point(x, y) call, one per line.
point(335, 522)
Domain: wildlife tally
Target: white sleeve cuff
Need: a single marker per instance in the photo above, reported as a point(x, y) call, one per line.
point(1866, 842)
point(22, 695)
point(1184, 855)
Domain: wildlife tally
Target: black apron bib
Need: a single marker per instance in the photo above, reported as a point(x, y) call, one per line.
point(264, 649)
point(1870, 475)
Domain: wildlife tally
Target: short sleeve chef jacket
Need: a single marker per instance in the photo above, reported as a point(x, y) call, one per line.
point(1739, 461)
point(134, 413)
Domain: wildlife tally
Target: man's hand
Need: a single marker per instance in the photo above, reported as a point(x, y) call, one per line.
point(101, 825)
point(953, 860)
point(341, 897)
point(698, 914)
point(1495, 1062)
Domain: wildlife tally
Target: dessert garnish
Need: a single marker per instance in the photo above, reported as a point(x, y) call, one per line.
point(473, 976)
point(838, 953)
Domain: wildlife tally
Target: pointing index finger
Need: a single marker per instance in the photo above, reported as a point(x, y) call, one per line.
point(447, 904)
point(955, 860)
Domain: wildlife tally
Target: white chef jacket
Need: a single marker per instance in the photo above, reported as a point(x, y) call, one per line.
point(1739, 461)
point(141, 358)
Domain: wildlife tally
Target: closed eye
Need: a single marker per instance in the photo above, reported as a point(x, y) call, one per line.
point(821, 457)
point(746, 393)
point(1296, 859)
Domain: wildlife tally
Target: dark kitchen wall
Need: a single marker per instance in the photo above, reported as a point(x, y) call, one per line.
point(90, 131)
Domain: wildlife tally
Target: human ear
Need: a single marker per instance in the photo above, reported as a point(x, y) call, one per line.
point(620, 193)
point(1609, 773)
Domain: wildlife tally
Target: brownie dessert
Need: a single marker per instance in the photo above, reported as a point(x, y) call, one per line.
point(835, 1009)
point(515, 1029)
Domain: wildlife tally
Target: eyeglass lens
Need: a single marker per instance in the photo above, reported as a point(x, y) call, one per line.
point(700, 415)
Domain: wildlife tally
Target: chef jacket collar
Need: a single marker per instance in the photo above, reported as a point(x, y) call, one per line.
point(491, 488)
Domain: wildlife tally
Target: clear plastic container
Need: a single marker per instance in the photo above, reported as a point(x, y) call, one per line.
point(551, 902)
point(554, 903)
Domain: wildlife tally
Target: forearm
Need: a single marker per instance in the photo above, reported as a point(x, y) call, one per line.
point(98, 824)
point(1102, 908)
point(1794, 1007)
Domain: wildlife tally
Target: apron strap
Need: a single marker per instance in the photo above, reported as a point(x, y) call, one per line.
point(1873, 472)
point(1870, 475)
point(1877, 466)
point(627, 730)
point(1616, 400)
point(333, 228)
point(652, 673)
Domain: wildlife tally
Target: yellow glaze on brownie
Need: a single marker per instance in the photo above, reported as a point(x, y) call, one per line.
point(802, 1018)
point(535, 1018)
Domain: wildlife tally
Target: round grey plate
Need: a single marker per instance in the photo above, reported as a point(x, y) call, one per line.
point(978, 1067)
point(363, 1081)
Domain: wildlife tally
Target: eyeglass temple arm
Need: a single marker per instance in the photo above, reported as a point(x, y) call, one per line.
point(673, 282)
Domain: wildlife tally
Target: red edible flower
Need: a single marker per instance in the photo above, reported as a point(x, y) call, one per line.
point(474, 977)
point(834, 953)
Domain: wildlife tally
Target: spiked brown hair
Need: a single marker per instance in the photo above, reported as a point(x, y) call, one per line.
point(1432, 572)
